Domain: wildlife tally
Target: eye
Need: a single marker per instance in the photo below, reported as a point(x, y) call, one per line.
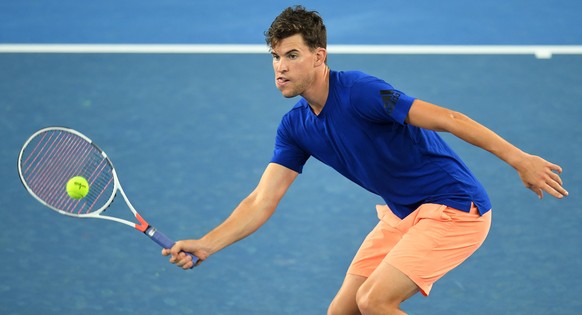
point(293, 56)
point(276, 57)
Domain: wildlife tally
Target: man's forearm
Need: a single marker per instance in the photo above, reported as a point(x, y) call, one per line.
point(248, 216)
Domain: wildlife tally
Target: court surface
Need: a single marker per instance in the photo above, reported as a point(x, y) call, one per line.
point(191, 133)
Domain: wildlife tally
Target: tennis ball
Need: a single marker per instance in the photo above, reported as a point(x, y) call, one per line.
point(77, 187)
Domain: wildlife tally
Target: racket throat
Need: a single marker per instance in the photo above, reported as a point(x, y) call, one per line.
point(143, 225)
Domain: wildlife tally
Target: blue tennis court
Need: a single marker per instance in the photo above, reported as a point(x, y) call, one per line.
point(191, 133)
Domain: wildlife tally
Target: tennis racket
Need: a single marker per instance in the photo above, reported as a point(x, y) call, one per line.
point(53, 155)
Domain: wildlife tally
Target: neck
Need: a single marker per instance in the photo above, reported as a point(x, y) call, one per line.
point(317, 95)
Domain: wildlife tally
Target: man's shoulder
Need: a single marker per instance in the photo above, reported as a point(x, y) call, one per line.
point(349, 78)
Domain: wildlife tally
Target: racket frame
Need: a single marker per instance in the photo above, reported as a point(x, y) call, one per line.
point(143, 226)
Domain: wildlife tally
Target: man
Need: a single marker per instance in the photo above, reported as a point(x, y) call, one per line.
point(436, 214)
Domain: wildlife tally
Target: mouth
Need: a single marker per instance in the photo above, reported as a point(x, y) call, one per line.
point(282, 81)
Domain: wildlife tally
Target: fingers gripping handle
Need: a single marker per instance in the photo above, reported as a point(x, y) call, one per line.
point(164, 241)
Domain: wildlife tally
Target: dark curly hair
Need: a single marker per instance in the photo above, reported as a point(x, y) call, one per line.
point(297, 20)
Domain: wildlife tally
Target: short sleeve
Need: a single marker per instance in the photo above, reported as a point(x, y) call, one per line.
point(378, 101)
point(287, 153)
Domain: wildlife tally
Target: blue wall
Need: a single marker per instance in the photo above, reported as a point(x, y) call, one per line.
point(527, 22)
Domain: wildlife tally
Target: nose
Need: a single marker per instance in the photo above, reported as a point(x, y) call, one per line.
point(280, 66)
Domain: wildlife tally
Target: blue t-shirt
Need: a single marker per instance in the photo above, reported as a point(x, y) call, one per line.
point(361, 133)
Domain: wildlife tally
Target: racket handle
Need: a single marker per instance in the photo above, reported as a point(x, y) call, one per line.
point(164, 241)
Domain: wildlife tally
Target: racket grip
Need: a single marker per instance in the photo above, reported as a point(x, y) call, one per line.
point(164, 241)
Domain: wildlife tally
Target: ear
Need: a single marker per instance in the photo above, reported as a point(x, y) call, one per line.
point(320, 56)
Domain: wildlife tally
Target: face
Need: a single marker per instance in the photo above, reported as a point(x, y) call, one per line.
point(294, 66)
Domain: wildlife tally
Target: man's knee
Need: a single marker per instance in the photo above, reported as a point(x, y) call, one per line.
point(372, 302)
point(344, 302)
point(338, 308)
point(333, 309)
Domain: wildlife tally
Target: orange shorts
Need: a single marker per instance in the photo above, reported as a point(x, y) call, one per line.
point(425, 245)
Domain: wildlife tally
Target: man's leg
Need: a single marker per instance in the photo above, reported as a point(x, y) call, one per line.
point(384, 290)
point(371, 253)
point(344, 302)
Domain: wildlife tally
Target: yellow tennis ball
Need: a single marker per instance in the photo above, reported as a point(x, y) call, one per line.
point(77, 187)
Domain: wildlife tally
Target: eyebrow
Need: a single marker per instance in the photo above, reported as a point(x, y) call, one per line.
point(286, 53)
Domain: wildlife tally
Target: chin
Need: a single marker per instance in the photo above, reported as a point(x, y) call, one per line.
point(289, 94)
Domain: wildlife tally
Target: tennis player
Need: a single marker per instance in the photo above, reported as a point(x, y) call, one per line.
point(436, 214)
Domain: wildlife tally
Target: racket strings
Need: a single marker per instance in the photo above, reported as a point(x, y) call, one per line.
point(54, 157)
point(48, 172)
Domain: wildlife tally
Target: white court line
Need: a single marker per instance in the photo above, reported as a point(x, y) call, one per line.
point(540, 51)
